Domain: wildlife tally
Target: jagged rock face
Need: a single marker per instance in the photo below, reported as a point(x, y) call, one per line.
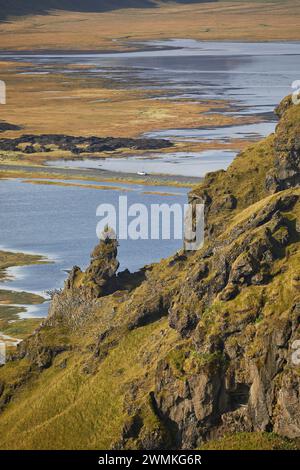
point(104, 263)
point(225, 392)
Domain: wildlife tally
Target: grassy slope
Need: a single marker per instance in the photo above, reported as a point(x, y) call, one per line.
point(84, 399)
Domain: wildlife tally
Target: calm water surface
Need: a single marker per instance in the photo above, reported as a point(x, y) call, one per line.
point(60, 223)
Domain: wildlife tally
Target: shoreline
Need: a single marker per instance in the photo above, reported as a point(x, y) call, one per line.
point(123, 28)
point(99, 175)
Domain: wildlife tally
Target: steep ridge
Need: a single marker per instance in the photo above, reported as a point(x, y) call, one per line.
point(198, 346)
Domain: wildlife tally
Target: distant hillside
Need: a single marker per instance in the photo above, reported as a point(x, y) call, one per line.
point(27, 7)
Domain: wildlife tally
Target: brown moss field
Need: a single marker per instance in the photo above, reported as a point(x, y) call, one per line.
point(74, 105)
point(259, 21)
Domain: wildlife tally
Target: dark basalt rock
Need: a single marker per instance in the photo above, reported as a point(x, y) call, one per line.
point(79, 145)
point(152, 310)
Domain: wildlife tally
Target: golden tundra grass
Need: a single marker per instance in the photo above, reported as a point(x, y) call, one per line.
point(10, 259)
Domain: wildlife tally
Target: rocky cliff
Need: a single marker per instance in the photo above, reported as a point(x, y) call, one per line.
point(199, 347)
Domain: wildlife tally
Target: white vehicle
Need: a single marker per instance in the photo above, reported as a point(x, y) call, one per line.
point(142, 173)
